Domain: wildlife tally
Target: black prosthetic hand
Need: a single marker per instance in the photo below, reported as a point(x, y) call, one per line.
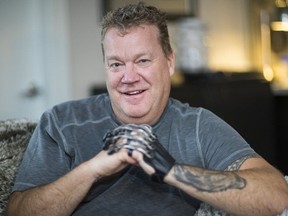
point(140, 138)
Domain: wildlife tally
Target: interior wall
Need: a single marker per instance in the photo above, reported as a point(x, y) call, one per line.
point(85, 51)
point(228, 35)
point(56, 50)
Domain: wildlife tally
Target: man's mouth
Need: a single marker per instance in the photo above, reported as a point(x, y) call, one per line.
point(134, 92)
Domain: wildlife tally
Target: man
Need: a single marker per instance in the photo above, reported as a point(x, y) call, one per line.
point(165, 160)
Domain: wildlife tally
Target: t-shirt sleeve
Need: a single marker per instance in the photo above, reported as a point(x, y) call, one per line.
point(45, 159)
point(221, 144)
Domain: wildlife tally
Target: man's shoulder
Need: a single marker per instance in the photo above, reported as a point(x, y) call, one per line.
point(184, 108)
point(89, 108)
point(93, 102)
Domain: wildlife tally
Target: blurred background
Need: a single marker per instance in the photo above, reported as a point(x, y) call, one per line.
point(232, 58)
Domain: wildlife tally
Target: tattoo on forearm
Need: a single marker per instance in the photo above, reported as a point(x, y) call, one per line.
point(238, 163)
point(208, 180)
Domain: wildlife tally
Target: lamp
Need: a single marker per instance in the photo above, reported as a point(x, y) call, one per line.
point(280, 18)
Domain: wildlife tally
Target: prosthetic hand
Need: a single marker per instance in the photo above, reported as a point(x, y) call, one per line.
point(140, 138)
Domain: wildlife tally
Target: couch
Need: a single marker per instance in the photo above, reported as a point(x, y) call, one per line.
point(14, 137)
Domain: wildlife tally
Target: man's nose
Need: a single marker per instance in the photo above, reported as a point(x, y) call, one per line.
point(130, 74)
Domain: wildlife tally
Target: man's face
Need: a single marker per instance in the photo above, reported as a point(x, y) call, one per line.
point(138, 74)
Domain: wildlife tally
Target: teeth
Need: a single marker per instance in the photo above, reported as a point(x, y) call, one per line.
point(133, 93)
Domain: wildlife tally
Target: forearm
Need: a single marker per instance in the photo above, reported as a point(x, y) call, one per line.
point(57, 198)
point(247, 192)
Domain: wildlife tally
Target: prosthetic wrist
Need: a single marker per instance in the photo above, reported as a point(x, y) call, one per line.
point(161, 161)
point(140, 138)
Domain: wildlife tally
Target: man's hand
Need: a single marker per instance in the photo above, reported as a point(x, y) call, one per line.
point(140, 138)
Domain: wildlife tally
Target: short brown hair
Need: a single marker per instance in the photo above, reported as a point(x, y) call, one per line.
point(134, 15)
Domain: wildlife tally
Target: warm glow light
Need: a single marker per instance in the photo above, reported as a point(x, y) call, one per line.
point(279, 26)
point(268, 73)
point(280, 3)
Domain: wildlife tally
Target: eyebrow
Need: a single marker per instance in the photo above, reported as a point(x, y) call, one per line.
point(116, 57)
point(112, 57)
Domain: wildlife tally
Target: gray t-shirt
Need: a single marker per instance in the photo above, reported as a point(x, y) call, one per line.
point(72, 132)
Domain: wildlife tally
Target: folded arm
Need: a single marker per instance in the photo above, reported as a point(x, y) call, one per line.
point(62, 196)
point(57, 198)
point(255, 189)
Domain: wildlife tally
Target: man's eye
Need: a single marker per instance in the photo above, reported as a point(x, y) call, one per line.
point(143, 61)
point(115, 65)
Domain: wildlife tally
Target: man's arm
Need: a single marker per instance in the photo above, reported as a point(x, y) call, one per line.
point(57, 198)
point(250, 186)
point(62, 196)
point(256, 189)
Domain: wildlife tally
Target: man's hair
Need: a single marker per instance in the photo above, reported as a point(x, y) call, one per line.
point(133, 15)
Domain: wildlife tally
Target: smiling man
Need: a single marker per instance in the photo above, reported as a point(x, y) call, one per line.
point(158, 156)
point(138, 75)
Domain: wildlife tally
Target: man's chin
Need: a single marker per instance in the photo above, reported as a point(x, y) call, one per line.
point(137, 115)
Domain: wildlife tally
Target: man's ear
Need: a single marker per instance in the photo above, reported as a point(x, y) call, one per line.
point(171, 62)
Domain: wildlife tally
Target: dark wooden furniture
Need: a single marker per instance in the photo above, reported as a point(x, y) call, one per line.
point(281, 115)
point(245, 101)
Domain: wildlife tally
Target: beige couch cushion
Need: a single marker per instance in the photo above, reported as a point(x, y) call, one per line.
point(14, 137)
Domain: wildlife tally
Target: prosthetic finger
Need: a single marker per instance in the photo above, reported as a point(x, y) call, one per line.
point(139, 132)
point(130, 152)
point(136, 136)
point(132, 144)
